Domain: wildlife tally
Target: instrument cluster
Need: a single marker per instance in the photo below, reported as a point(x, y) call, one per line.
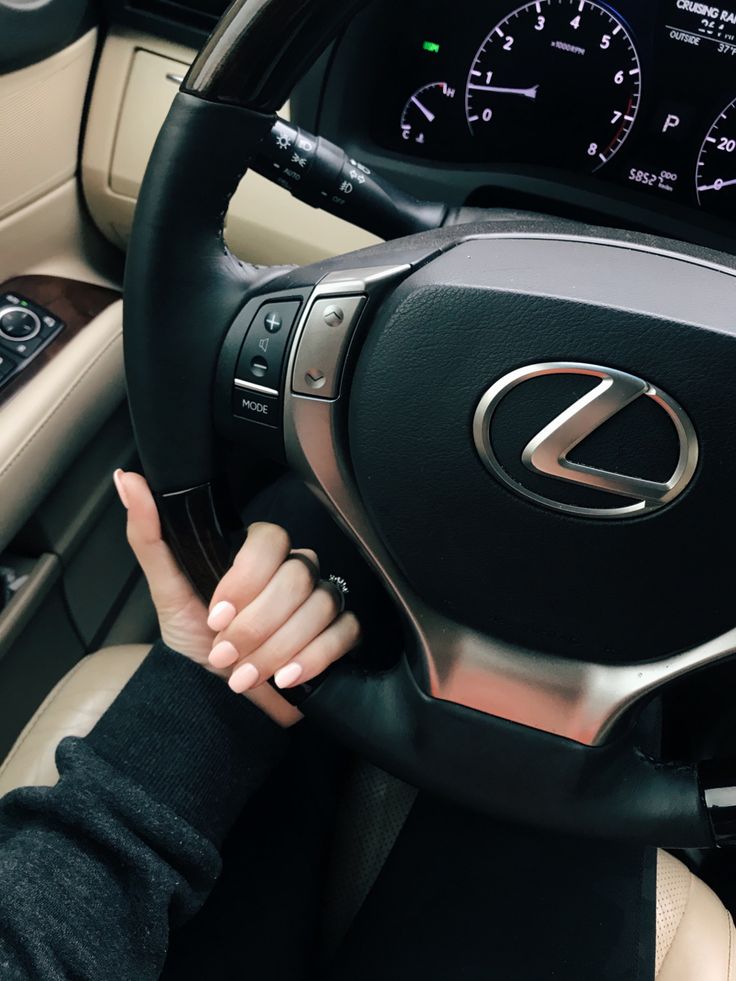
point(640, 93)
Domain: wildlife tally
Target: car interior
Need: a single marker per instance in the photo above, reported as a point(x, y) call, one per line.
point(468, 272)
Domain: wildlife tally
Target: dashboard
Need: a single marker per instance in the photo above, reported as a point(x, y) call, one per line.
point(578, 107)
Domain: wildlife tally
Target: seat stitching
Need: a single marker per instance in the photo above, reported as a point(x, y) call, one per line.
point(57, 405)
point(691, 879)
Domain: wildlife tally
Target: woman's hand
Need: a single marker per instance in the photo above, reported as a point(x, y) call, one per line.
point(270, 616)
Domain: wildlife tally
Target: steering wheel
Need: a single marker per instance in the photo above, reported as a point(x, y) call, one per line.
point(526, 428)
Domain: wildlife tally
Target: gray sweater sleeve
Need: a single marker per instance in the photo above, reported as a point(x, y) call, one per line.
point(96, 870)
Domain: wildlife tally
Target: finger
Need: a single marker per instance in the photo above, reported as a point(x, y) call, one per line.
point(284, 594)
point(341, 637)
point(168, 585)
point(307, 623)
point(263, 552)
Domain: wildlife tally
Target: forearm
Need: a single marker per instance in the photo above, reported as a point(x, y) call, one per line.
point(95, 870)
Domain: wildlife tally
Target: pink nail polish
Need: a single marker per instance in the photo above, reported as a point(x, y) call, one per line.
point(223, 655)
point(243, 678)
point(288, 675)
point(221, 615)
point(120, 487)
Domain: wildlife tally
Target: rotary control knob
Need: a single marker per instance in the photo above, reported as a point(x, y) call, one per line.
point(18, 324)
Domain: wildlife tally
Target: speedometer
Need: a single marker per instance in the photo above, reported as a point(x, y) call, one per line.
point(716, 174)
point(557, 81)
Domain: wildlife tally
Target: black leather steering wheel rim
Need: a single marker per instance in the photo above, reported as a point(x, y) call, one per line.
point(183, 291)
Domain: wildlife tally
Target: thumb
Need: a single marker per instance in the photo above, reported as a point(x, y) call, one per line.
point(170, 589)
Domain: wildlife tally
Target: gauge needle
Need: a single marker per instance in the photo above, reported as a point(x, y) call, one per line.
point(717, 186)
point(530, 93)
point(427, 113)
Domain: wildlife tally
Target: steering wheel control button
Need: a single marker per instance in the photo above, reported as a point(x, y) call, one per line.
point(323, 345)
point(272, 322)
point(593, 485)
point(262, 354)
point(18, 323)
point(315, 378)
point(256, 407)
point(334, 315)
point(259, 367)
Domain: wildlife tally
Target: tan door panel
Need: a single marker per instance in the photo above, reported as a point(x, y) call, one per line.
point(50, 420)
point(40, 115)
point(133, 91)
point(145, 106)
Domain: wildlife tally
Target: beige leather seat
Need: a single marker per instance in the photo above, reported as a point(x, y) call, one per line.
point(71, 709)
point(696, 940)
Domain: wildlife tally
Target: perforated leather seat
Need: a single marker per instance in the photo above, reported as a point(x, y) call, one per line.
point(696, 940)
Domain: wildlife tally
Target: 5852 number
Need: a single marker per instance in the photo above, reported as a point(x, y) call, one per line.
point(646, 177)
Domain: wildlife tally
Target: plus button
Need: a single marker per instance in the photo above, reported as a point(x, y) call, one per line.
point(273, 322)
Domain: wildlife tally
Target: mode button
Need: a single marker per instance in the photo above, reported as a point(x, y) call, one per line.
point(254, 407)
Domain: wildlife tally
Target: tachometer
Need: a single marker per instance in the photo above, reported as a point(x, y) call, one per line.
point(556, 81)
point(716, 173)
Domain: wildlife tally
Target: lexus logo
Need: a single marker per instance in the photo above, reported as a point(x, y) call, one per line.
point(547, 453)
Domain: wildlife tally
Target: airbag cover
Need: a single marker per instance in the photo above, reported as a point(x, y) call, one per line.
point(595, 589)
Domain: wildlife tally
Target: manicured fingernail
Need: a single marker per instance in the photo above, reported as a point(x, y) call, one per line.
point(223, 655)
point(118, 479)
point(221, 615)
point(243, 678)
point(288, 675)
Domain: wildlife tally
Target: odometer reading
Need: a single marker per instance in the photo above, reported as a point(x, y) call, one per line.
point(557, 81)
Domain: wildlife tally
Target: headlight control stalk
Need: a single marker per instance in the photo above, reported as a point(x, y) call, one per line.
point(321, 174)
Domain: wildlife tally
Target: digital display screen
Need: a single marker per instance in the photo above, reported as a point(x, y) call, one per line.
point(638, 93)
